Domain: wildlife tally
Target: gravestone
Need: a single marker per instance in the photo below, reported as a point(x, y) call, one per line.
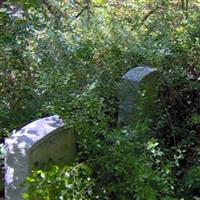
point(138, 94)
point(1, 169)
point(38, 143)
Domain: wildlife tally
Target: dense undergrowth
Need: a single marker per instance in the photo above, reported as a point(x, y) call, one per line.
point(68, 59)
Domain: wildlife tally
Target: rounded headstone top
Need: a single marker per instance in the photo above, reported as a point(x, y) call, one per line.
point(33, 132)
point(138, 73)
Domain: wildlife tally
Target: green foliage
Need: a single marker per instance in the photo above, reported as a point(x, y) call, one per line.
point(68, 58)
point(60, 183)
point(192, 181)
point(110, 168)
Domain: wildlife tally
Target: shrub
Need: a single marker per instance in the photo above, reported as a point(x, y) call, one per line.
point(68, 59)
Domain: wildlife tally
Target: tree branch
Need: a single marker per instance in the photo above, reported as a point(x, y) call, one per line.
point(49, 7)
point(80, 13)
point(145, 17)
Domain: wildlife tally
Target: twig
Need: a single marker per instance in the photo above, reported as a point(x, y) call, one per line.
point(80, 13)
point(1, 3)
point(49, 7)
point(145, 17)
point(169, 120)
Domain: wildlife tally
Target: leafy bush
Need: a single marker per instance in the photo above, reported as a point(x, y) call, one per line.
point(68, 59)
point(64, 183)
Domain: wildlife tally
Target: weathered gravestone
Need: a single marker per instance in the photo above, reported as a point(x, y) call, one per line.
point(138, 94)
point(33, 146)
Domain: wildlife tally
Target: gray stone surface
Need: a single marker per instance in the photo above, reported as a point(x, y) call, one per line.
point(138, 93)
point(32, 147)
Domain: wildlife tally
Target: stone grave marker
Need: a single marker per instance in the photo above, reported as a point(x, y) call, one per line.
point(38, 143)
point(138, 94)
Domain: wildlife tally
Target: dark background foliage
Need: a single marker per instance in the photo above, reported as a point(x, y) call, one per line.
point(68, 58)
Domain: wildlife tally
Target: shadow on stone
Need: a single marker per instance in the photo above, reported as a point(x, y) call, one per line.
point(32, 147)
